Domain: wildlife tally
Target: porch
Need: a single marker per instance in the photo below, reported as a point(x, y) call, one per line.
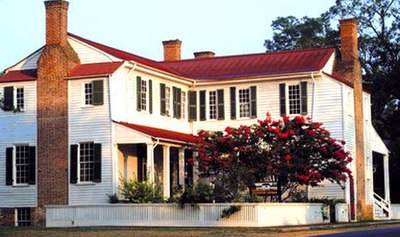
point(158, 156)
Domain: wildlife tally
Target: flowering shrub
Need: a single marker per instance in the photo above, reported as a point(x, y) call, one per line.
point(295, 150)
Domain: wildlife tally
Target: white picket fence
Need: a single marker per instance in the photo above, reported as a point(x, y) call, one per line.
point(205, 215)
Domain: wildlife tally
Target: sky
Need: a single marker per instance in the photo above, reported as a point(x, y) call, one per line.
point(225, 27)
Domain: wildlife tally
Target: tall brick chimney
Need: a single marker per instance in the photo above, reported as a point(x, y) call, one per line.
point(172, 50)
point(350, 68)
point(203, 54)
point(56, 60)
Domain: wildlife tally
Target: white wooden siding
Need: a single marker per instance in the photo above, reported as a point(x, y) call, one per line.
point(90, 123)
point(88, 54)
point(17, 128)
point(124, 100)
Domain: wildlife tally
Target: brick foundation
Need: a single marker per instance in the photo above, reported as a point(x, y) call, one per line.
point(7, 217)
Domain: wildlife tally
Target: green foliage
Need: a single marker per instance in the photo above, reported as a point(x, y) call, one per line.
point(136, 191)
point(112, 198)
point(201, 192)
point(226, 213)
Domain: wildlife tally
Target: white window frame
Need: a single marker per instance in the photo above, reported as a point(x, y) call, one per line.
point(16, 88)
point(144, 95)
point(183, 104)
point(14, 168)
point(214, 106)
point(79, 181)
point(16, 217)
point(84, 104)
point(238, 102)
point(288, 98)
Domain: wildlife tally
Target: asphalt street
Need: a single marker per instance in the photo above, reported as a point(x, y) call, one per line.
point(384, 232)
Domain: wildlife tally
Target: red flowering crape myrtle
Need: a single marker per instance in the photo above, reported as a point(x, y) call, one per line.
point(296, 150)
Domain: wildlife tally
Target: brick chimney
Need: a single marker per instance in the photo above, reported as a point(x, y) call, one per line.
point(350, 68)
point(172, 50)
point(56, 60)
point(204, 54)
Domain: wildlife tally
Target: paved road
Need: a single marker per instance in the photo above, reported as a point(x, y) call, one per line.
point(384, 232)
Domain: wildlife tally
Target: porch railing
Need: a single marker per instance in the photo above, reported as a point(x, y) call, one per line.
point(381, 207)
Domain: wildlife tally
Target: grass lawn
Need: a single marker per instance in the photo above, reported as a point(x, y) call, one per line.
point(167, 232)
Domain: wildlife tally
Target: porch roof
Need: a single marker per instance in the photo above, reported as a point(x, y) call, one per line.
point(161, 133)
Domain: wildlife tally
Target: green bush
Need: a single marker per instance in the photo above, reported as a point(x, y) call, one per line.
point(201, 192)
point(136, 191)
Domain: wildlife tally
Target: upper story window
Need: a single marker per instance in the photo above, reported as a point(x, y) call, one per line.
point(144, 95)
point(94, 91)
point(216, 104)
point(183, 95)
point(293, 98)
point(13, 99)
point(247, 100)
point(213, 104)
point(85, 162)
point(20, 165)
point(172, 98)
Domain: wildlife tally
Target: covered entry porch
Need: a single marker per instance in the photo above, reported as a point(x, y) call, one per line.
point(159, 156)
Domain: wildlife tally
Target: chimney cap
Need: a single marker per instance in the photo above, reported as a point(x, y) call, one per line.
point(172, 42)
point(204, 54)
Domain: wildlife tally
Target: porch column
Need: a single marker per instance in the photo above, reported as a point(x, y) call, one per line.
point(166, 185)
point(195, 167)
point(386, 177)
point(181, 161)
point(150, 162)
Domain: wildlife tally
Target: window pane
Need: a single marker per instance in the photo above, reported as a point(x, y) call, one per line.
point(294, 99)
point(183, 107)
point(167, 100)
point(23, 217)
point(244, 103)
point(88, 93)
point(213, 105)
point(86, 158)
point(21, 164)
point(20, 98)
point(144, 95)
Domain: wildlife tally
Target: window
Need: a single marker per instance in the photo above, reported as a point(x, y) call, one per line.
point(23, 216)
point(94, 93)
point(13, 99)
point(143, 96)
point(247, 100)
point(183, 104)
point(244, 103)
point(293, 98)
point(213, 104)
point(85, 162)
point(167, 100)
point(20, 165)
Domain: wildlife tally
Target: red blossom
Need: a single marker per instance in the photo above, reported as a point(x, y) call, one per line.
point(288, 157)
point(282, 135)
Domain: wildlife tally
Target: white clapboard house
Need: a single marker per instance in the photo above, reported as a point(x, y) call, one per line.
point(77, 115)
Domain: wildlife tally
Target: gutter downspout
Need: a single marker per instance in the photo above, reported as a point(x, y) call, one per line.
point(314, 91)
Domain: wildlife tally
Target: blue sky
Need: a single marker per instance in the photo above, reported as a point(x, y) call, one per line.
point(223, 26)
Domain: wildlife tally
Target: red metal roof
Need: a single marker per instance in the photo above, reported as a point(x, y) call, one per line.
point(124, 55)
point(20, 75)
point(270, 63)
point(161, 133)
point(83, 70)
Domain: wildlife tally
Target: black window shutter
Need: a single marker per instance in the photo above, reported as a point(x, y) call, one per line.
point(73, 164)
point(32, 165)
point(192, 106)
point(97, 163)
point(174, 102)
point(233, 102)
point(139, 93)
point(282, 98)
point(8, 98)
point(202, 105)
point(253, 101)
point(221, 107)
point(303, 88)
point(150, 97)
point(9, 165)
point(178, 103)
point(162, 99)
point(98, 92)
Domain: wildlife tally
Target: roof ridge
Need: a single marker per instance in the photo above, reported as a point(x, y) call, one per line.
point(248, 55)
